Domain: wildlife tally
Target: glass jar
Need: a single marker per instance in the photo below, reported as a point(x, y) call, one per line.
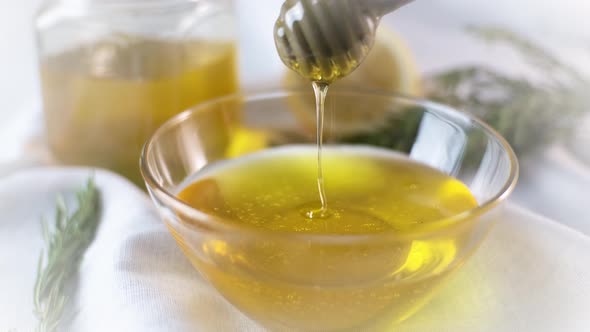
point(112, 71)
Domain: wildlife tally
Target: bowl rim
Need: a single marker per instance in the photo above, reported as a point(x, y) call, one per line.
point(214, 222)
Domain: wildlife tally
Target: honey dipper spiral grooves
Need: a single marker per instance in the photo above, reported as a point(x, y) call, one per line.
point(324, 40)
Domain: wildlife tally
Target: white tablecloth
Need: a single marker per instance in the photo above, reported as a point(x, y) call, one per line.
point(531, 273)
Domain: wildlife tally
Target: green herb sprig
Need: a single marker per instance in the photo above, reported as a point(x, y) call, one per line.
point(65, 247)
point(529, 114)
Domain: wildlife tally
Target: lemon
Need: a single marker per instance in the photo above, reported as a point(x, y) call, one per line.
point(389, 66)
point(246, 140)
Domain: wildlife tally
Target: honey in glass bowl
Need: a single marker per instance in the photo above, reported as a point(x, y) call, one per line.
point(400, 218)
point(369, 191)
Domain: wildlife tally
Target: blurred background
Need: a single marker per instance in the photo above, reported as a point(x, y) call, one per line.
point(520, 65)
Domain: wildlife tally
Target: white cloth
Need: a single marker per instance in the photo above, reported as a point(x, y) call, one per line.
point(531, 274)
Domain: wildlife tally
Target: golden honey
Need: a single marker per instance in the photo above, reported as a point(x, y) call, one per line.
point(103, 100)
point(327, 284)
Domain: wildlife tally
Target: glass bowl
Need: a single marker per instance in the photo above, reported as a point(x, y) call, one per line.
point(327, 282)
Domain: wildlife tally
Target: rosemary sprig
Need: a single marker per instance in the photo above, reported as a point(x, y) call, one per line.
point(529, 114)
point(532, 53)
point(65, 246)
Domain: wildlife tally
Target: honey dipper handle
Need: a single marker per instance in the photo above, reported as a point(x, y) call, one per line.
point(383, 7)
